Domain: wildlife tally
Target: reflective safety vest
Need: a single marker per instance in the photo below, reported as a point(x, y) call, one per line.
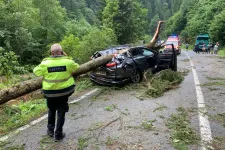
point(57, 76)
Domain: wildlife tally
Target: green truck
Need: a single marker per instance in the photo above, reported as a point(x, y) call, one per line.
point(201, 39)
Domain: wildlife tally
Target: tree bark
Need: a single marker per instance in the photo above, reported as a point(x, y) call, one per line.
point(35, 84)
point(152, 43)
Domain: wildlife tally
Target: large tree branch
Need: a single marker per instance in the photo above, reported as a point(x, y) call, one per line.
point(156, 36)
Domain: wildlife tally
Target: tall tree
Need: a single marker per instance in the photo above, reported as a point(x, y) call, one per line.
point(127, 18)
point(52, 20)
point(18, 19)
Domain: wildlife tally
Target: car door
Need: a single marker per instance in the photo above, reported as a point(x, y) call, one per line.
point(141, 60)
point(150, 56)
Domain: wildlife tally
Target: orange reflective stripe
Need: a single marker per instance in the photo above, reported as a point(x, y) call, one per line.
point(57, 81)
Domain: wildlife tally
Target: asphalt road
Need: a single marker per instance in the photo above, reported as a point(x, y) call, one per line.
point(90, 125)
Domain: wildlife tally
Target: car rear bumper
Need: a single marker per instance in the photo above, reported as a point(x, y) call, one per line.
point(108, 81)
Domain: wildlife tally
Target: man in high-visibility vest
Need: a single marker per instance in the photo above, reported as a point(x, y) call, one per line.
point(57, 85)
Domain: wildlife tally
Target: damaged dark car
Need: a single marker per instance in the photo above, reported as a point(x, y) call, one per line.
point(130, 65)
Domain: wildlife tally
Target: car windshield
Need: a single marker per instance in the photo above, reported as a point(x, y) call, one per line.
point(172, 42)
point(202, 38)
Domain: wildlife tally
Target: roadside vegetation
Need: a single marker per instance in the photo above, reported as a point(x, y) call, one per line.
point(7, 145)
point(20, 112)
point(16, 115)
point(221, 53)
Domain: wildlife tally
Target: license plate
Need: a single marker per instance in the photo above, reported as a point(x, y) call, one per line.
point(100, 72)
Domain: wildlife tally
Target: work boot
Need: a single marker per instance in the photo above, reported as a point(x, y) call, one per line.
point(59, 137)
point(50, 133)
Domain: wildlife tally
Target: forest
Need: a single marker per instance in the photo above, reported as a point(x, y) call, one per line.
point(29, 27)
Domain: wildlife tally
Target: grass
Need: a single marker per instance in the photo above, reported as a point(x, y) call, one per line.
point(96, 126)
point(17, 115)
point(148, 125)
point(110, 108)
point(47, 143)
point(221, 53)
point(6, 145)
point(83, 84)
point(216, 83)
point(182, 135)
point(82, 143)
point(109, 141)
point(160, 108)
point(215, 78)
point(4, 82)
point(14, 116)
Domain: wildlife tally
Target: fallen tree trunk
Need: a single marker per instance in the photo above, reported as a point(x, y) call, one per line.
point(35, 84)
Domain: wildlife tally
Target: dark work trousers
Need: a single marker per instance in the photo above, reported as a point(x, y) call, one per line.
point(60, 106)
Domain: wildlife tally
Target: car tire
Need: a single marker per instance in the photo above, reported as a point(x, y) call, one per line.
point(174, 65)
point(136, 76)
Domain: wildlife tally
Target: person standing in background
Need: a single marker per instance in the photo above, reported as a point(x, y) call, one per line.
point(216, 48)
point(187, 46)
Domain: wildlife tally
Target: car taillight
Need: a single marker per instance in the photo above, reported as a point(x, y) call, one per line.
point(111, 64)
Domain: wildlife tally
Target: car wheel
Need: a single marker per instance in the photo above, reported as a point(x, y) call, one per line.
point(174, 65)
point(136, 76)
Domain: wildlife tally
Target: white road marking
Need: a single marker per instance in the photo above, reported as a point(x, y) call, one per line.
point(13, 133)
point(82, 97)
point(205, 129)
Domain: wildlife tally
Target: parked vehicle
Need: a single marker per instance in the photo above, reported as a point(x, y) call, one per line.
point(175, 40)
point(130, 65)
point(201, 40)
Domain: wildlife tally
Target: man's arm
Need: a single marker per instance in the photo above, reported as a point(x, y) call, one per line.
point(74, 67)
point(38, 71)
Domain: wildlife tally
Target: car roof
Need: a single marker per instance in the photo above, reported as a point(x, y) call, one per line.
point(139, 47)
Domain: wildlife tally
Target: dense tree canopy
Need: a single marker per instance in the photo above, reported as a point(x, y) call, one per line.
point(29, 27)
point(198, 17)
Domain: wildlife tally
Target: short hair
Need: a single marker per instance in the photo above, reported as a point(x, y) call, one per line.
point(56, 48)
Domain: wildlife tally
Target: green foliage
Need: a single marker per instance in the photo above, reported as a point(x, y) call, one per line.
point(217, 28)
point(153, 24)
point(222, 53)
point(29, 27)
point(9, 64)
point(198, 17)
point(17, 115)
point(110, 108)
point(83, 84)
point(78, 28)
point(163, 81)
point(82, 143)
point(182, 134)
point(148, 125)
point(71, 45)
point(127, 18)
point(8, 82)
point(96, 40)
